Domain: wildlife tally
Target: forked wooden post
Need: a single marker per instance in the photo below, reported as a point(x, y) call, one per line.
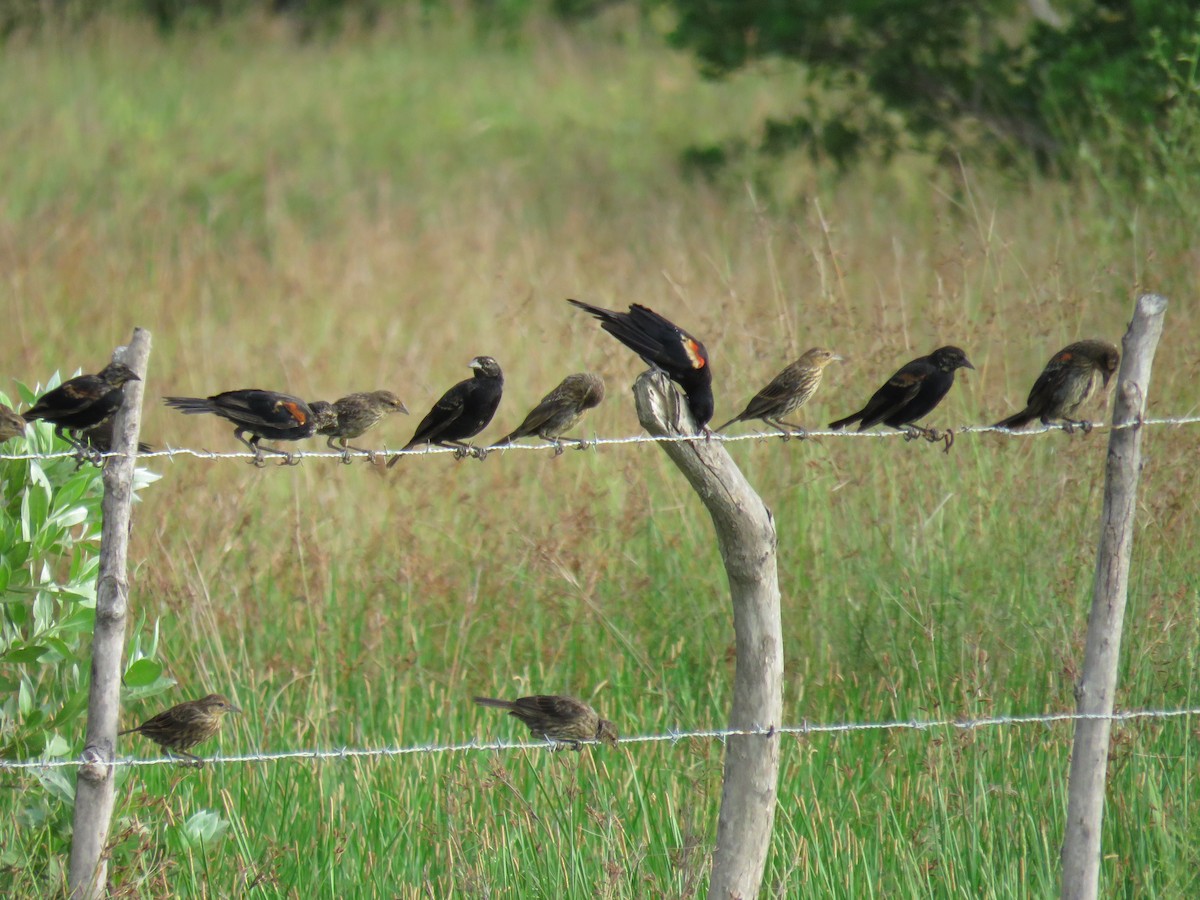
point(1089, 757)
point(94, 789)
point(746, 538)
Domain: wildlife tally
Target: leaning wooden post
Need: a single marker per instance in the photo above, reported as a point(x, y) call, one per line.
point(1094, 694)
point(94, 789)
point(746, 538)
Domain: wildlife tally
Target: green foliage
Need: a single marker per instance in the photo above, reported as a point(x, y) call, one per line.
point(982, 77)
point(50, 522)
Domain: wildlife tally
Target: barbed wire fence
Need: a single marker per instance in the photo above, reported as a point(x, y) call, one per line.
point(171, 453)
point(804, 729)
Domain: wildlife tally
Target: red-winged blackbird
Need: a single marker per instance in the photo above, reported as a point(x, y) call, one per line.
point(663, 345)
point(354, 414)
point(787, 392)
point(911, 393)
point(560, 409)
point(11, 424)
point(261, 414)
point(83, 402)
point(463, 411)
point(562, 719)
point(100, 439)
point(1068, 380)
point(184, 725)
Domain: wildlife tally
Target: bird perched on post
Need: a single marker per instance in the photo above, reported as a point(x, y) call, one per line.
point(663, 345)
point(180, 728)
point(261, 414)
point(557, 719)
point(1069, 378)
point(353, 415)
point(83, 402)
point(463, 411)
point(911, 394)
point(787, 392)
point(559, 410)
point(11, 424)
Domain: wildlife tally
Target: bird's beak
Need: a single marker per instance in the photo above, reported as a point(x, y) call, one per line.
point(134, 378)
point(475, 364)
point(967, 364)
point(400, 407)
point(234, 709)
point(837, 358)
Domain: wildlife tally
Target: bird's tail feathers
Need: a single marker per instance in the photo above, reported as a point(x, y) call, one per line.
point(1019, 420)
point(493, 702)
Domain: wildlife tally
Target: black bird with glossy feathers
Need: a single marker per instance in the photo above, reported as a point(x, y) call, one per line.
point(1069, 378)
point(663, 345)
point(553, 718)
point(180, 728)
point(261, 414)
point(912, 393)
point(560, 409)
point(463, 411)
point(83, 402)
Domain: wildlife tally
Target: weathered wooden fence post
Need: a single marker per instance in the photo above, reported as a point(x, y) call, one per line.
point(1089, 757)
point(94, 789)
point(746, 538)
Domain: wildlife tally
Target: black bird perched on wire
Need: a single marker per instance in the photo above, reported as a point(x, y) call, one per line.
point(559, 719)
point(354, 415)
point(1069, 378)
point(11, 424)
point(463, 411)
point(787, 392)
point(100, 438)
point(911, 394)
point(83, 402)
point(180, 728)
point(261, 414)
point(663, 345)
point(560, 410)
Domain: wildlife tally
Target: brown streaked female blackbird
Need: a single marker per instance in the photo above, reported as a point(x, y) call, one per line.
point(100, 439)
point(911, 393)
point(83, 402)
point(11, 424)
point(354, 414)
point(560, 409)
point(787, 392)
point(180, 728)
point(261, 414)
point(463, 411)
point(1070, 377)
point(558, 719)
point(663, 345)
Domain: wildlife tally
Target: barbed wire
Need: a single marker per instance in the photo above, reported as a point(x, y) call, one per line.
point(673, 737)
point(171, 453)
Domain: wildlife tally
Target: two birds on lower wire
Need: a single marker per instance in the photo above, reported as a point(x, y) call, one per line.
point(563, 721)
point(1069, 378)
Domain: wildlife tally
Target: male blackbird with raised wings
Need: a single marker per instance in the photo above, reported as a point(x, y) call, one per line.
point(83, 402)
point(354, 415)
point(463, 411)
point(663, 345)
point(911, 394)
point(261, 414)
point(563, 720)
point(1070, 377)
point(787, 392)
point(180, 728)
point(560, 410)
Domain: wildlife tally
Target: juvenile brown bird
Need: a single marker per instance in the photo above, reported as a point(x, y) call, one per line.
point(261, 414)
point(911, 393)
point(663, 345)
point(463, 411)
point(354, 414)
point(11, 424)
point(1069, 378)
point(184, 725)
point(787, 392)
point(560, 410)
point(83, 402)
point(557, 719)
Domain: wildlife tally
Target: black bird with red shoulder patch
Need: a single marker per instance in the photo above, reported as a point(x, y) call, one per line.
point(1071, 376)
point(663, 345)
point(912, 393)
point(261, 414)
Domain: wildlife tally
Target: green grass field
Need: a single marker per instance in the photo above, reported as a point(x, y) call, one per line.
point(373, 212)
